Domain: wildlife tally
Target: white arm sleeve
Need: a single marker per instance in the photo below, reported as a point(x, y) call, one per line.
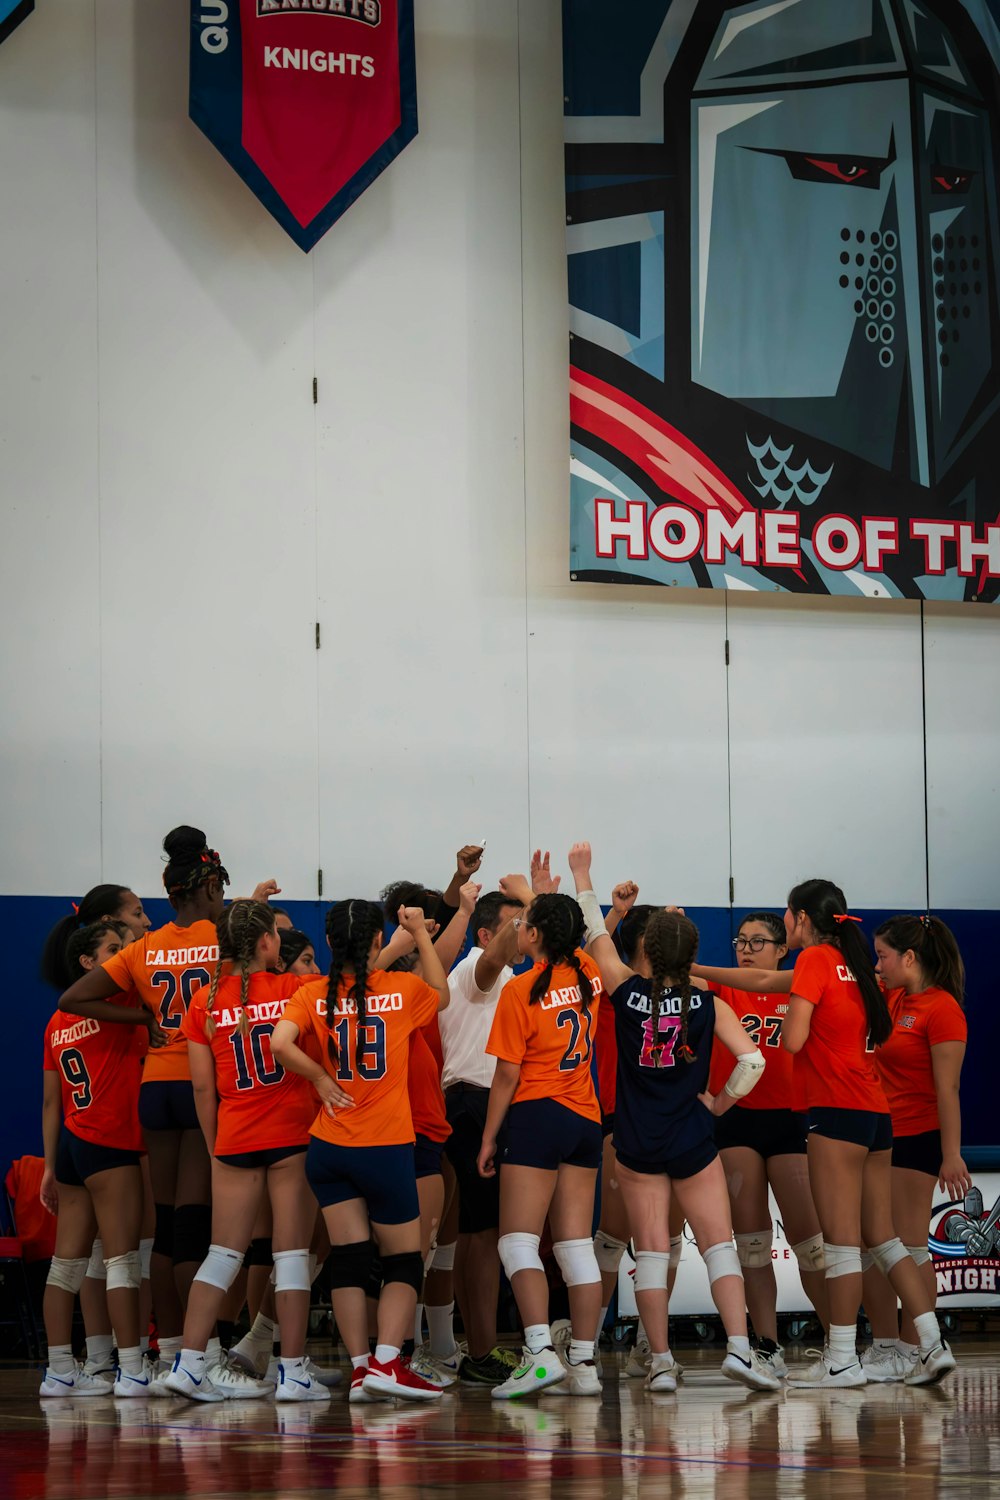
point(746, 1075)
point(592, 914)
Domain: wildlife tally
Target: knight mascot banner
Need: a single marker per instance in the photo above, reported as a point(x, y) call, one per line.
point(783, 245)
point(12, 13)
point(309, 100)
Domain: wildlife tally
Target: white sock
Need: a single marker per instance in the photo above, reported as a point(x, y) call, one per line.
point(359, 1361)
point(262, 1332)
point(168, 1349)
point(213, 1350)
point(662, 1361)
point(600, 1324)
point(441, 1327)
point(843, 1342)
point(130, 1361)
point(386, 1353)
point(910, 1350)
point(885, 1343)
point(928, 1330)
point(194, 1359)
point(61, 1361)
point(293, 1366)
point(580, 1351)
point(418, 1324)
point(99, 1348)
point(740, 1346)
point(538, 1336)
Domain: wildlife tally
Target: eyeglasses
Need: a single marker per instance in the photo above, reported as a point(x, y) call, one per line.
point(518, 923)
point(755, 944)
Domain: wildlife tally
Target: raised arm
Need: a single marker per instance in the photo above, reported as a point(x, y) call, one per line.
point(757, 981)
point(412, 918)
point(449, 943)
point(500, 953)
point(599, 944)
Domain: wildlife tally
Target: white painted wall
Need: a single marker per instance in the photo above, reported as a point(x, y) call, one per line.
point(178, 515)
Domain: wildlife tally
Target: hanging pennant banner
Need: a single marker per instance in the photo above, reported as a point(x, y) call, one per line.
point(12, 13)
point(309, 100)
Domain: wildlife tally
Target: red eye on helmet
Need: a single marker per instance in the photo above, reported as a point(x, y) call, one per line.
point(950, 180)
point(843, 169)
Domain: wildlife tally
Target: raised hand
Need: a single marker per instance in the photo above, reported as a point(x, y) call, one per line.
point(543, 882)
point(623, 896)
point(468, 859)
point(516, 887)
point(265, 890)
point(467, 897)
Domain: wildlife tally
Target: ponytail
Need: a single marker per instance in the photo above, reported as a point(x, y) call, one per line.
point(559, 922)
point(351, 928)
point(101, 901)
point(933, 945)
point(826, 907)
point(671, 943)
point(239, 929)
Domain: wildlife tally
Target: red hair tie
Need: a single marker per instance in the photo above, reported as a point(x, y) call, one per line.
point(75, 907)
point(842, 916)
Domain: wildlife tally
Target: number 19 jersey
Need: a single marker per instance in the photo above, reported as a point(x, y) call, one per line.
point(164, 969)
point(657, 1097)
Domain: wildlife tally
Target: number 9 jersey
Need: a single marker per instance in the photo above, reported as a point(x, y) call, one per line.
point(100, 1069)
point(164, 969)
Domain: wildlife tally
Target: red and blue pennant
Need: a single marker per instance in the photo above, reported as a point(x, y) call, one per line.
point(12, 13)
point(309, 100)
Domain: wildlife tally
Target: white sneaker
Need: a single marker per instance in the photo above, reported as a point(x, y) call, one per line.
point(581, 1380)
point(536, 1372)
point(931, 1367)
point(775, 1358)
point(326, 1377)
point(131, 1386)
point(150, 1365)
point(251, 1358)
point(827, 1375)
point(79, 1383)
point(235, 1386)
point(437, 1371)
point(562, 1337)
point(638, 1360)
point(663, 1377)
point(299, 1385)
point(755, 1372)
point(885, 1366)
point(105, 1372)
point(180, 1381)
point(815, 1368)
point(158, 1387)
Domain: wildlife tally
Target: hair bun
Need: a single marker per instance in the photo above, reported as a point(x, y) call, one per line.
point(184, 843)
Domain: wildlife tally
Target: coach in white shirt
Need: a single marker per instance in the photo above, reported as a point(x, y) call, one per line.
point(475, 986)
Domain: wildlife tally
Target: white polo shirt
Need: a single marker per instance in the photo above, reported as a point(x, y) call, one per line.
point(465, 1025)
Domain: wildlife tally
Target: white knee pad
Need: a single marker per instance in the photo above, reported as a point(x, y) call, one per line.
point(809, 1254)
point(67, 1274)
point(920, 1254)
point(608, 1250)
point(443, 1258)
point(145, 1256)
point(124, 1272)
point(753, 1250)
point(651, 1267)
point(220, 1267)
point(291, 1271)
point(889, 1254)
point(96, 1268)
point(676, 1251)
point(867, 1260)
point(519, 1252)
point(722, 1260)
point(841, 1260)
point(577, 1262)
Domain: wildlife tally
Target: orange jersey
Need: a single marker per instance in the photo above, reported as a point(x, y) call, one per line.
point(552, 1040)
point(607, 1060)
point(423, 1082)
point(164, 969)
point(260, 1105)
point(761, 1017)
point(99, 1064)
point(919, 1022)
point(836, 1067)
point(395, 1006)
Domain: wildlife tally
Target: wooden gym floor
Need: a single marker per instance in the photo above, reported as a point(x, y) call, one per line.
point(712, 1441)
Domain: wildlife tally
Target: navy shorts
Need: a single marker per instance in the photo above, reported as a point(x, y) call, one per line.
point(769, 1132)
point(862, 1127)
point(542, 1133)
point(478, 1197)
point(384, 1176)
point(427, 1156)
point(918, 1153)
point(168, 1104)
point(76, 1159)
point(266, 1158)
point(679, 1164)
point(607, 1125)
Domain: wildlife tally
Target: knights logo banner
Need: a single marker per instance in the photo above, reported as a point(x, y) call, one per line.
point(12, 13)
point(309, 100)
point(783, 247)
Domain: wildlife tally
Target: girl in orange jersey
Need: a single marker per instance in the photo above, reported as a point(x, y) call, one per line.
point(923, 976)
point(542, 1038)
point(360, 1162)
point(92, 1178)
point(256, 1120)
point(151, 982)
point(762, 1142)
point(837, 1016)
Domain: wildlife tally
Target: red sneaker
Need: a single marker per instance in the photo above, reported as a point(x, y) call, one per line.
point(397, 1379)
point(357, 1395)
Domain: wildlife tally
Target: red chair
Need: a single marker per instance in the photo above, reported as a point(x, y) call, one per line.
point(16, 1250)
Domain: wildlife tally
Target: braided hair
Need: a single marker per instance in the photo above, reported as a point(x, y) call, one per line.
point(826, 907)
point(934, 947)
point(671, 943)
point(561, 927)
point(351, 928)
point(190, 864)
point(240, 929)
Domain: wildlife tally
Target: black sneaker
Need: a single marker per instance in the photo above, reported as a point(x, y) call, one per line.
point(486, 1371)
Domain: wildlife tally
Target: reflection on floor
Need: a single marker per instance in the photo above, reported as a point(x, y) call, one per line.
point(711, 1440)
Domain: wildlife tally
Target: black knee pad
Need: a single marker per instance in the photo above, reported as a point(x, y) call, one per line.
point(192, 1233)
point(373, 1286)
point(163, 1234)
point(260, 1253)
point(350, 1265)
point(408, 1268)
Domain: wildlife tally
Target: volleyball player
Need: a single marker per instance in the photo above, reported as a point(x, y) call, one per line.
point(360, 1162)
point(921, 970)
point(102, 903)
point(92, 1179)
point(663, 1130)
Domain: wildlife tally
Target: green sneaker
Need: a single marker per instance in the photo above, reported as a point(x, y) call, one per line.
point(536, 1373)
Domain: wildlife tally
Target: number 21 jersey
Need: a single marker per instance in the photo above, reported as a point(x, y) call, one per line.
point(657, 1102)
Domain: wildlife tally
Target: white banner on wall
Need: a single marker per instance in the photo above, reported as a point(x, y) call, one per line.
point(964, 1242)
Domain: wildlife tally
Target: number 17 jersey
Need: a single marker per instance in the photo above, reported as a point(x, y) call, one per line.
point(657, 1096)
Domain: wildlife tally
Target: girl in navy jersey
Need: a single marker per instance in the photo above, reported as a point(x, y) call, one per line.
point(664, 1122)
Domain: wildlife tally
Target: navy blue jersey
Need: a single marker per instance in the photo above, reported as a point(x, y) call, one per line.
point(657, 1111)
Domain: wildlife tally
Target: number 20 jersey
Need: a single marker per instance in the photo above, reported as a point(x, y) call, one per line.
point(164, 969)
point(657, 1111)
point(99, 1064)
